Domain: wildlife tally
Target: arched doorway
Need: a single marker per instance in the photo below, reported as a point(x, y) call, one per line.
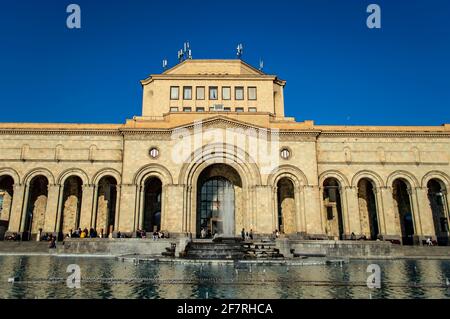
point(36, 206)
point(106, 206)
point(72, 195)
point(219, 190)
point(286, 206)
point(404, 216)
point(333, 208)
point(152, 204)
point(439, 208)
point(6, 196)
point(368, 209)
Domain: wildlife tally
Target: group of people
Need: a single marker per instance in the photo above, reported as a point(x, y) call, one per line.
point(91, 233)
point(247, 235)
point(140, 233)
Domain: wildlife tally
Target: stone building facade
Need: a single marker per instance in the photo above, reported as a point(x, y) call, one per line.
point(214, 150)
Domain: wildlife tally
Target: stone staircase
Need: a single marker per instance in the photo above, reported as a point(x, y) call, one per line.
point(262, 250)
point(170, 251)
point(224, 249)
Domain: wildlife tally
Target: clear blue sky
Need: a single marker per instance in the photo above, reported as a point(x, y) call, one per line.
point(337, 70)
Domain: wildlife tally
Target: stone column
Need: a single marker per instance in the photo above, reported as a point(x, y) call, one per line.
point(87, 202)
point(59, 211)
point(424, 214)
point(141, 207)
point(24, 208)
point(117, 211)
point(18, 201)
point(389, 211)
point(314, 223)
point(352, 221)
point(298, 211)
point(418, 231)
point(173, 209)
point(128, 209)
point(275, 208)
point(51, 210)
point(380, 211)
point(265, 197)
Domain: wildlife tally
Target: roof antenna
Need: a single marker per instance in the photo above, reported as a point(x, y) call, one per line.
point(261, 64)
point(185, 53)
point(164, 64)
point(240, 51)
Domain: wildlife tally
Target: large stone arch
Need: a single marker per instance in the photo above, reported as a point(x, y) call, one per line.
point(152, 170)
point(220, 154)
point(374, 177)
point(142, 176)
point(287, 210)
point(107, 172)
point(39, 171)
point(334, 205)
point(224, 154)
point(334, 174)
point(12, 173)
point(73, 172)
point(410, 178)
point(442, 177)
point(289, 171)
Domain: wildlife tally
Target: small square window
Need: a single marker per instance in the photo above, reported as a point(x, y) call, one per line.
point(174, 109)
point(200, 109)
point(174, 92)
point(200, 94)
point(252, 109)
point(239, 109)
point(213, 93)
point(239, 93)
point(187, 93)
point(252, 93)
point(226, 93)
point(187, 109)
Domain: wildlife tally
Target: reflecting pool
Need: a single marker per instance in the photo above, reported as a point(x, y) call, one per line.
point(103, 278)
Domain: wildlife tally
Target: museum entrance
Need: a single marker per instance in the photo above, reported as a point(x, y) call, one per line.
point(216, 201)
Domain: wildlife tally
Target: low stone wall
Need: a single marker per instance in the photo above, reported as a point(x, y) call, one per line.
point(115, 246)
point(349, 249)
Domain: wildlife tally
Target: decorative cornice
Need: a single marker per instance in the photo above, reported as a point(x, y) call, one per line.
point(16, 131)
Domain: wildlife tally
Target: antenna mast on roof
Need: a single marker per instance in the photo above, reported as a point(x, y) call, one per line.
point(185, 53)
point(240, 51)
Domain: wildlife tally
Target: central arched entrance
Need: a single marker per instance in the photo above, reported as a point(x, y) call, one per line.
point(219, 190)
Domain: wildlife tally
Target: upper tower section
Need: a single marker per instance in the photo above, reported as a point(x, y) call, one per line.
point(212, 86)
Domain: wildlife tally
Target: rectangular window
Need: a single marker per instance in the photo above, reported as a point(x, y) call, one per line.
point(174, 92)
point(252, 109)
point(227, 109)
point(187, 93)
point(252, 93)
point(200, 109)
point(187, 109)
point(213, 93)
point(239, 93)
point(226, 93)
point(174, 109)
point(239, 109)
point(200, 93)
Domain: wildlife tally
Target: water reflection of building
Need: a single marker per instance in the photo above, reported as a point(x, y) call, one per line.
point(222, 121)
